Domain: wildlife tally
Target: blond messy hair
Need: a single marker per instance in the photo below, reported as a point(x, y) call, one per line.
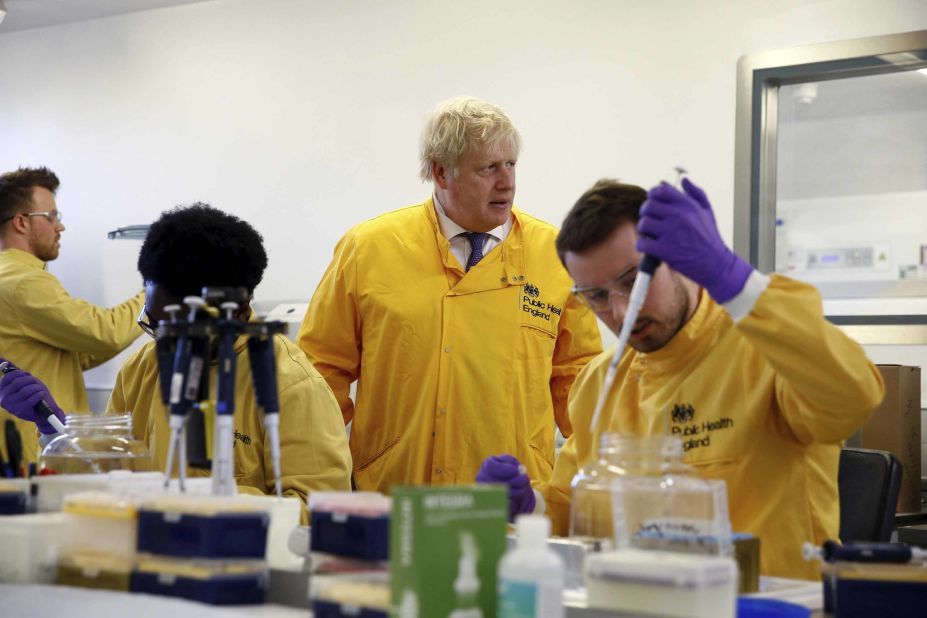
point(457, 125)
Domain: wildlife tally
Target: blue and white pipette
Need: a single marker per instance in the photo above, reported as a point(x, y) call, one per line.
point(636, 300)
point(831, 551)
point(223, 476)
point(264, 375)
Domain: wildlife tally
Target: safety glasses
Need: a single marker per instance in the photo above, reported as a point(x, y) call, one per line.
point(145, 325)
point(598, 298)
point(53, 216)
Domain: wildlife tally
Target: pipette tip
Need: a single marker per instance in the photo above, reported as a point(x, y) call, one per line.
point(55, 422)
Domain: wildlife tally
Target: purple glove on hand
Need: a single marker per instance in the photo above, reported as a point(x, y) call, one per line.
point(20, 391)
point(680, 229)
point(503, 469)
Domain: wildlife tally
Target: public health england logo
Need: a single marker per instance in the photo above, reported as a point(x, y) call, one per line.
point(683, 412)
point(532, 290)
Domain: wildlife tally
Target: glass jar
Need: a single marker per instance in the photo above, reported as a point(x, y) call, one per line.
point(619, 455)
point(96, 444)
point(664, 505)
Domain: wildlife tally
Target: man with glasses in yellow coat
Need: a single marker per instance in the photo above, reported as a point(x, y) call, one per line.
point(743, 367)
point(454, 316)
point(43, 329)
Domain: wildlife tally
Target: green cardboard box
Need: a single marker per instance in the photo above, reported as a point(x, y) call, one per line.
point(445, 546)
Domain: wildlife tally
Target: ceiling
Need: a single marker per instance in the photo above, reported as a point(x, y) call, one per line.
point(27, 14)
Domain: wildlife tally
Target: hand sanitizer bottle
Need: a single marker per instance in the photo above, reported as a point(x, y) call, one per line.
point(467, 584)
point(531, 574)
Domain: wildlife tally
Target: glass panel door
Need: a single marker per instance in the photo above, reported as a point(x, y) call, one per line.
point(851, 184)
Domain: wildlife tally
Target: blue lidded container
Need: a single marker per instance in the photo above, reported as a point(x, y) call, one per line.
point(330, 609)
point(13, 502)
point(365, 537)
point(224, 535)
point(227, 589)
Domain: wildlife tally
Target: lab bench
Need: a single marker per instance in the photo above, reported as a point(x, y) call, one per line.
point(41, 600)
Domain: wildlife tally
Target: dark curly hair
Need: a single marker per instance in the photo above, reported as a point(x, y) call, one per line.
point(195, 246)
point(16, 189)
point(598, 212)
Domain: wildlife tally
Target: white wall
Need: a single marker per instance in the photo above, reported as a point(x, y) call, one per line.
point(303, 116)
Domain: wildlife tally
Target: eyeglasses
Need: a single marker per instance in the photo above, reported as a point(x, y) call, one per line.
point(53, 216)
point(145, 325)
point(598, 298)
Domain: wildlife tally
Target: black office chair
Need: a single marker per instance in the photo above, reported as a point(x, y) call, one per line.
point(868, 482)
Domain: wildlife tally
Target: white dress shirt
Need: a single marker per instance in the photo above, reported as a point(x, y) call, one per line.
point(460, 244)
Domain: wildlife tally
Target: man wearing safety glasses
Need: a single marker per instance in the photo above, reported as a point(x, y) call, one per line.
point(43, 329)
point(741, 366)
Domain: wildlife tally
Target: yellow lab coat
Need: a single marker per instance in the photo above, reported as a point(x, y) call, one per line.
point(452, 366)
point(54, 336)
point(765, 405)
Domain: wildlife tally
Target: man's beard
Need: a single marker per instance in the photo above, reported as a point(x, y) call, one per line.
point(666, 326)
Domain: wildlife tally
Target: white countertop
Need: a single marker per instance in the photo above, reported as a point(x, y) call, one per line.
point(41, 601)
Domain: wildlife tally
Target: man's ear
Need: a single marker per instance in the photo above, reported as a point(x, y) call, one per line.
point(440, 174)
point(244, 311)
point(18, 223)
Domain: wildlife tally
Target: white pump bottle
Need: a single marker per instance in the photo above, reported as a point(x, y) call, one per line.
point(531, 575)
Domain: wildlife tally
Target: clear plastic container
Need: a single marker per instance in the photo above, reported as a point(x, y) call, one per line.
point(619, 456)
point(663, 505)
point(96, 444)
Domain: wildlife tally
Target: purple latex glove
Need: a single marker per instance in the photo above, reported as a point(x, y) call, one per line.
point(503, 469)
point(680, 229)
point(20, 391)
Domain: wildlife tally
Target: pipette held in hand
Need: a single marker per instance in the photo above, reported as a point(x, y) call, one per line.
point(645, 271)
point(41, 408)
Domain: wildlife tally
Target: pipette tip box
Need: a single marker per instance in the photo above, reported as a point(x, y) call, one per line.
point(351, 525)
point(365, 537)
point(332, 609)
point(664, 583)
point(217, 585)
point(13, 502)
point(862, 590)
point(87, 570)
point(219, 534)
point(14, 496)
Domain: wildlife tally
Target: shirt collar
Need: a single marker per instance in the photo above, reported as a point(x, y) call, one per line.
point(25, 257)
point(450, 229)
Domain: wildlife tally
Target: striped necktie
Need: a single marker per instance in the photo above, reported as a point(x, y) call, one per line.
point(476, 243)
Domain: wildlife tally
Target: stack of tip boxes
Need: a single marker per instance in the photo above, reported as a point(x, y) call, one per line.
point(98, 548)
point(445, 547)
point(208, 549)
point(201, 548)
point(349, 542)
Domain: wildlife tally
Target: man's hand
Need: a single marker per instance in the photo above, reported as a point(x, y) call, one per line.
point(679, 228)
point(505, 470)
point(20, 392)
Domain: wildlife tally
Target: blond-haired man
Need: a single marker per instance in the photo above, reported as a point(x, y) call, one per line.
point(455, 317)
